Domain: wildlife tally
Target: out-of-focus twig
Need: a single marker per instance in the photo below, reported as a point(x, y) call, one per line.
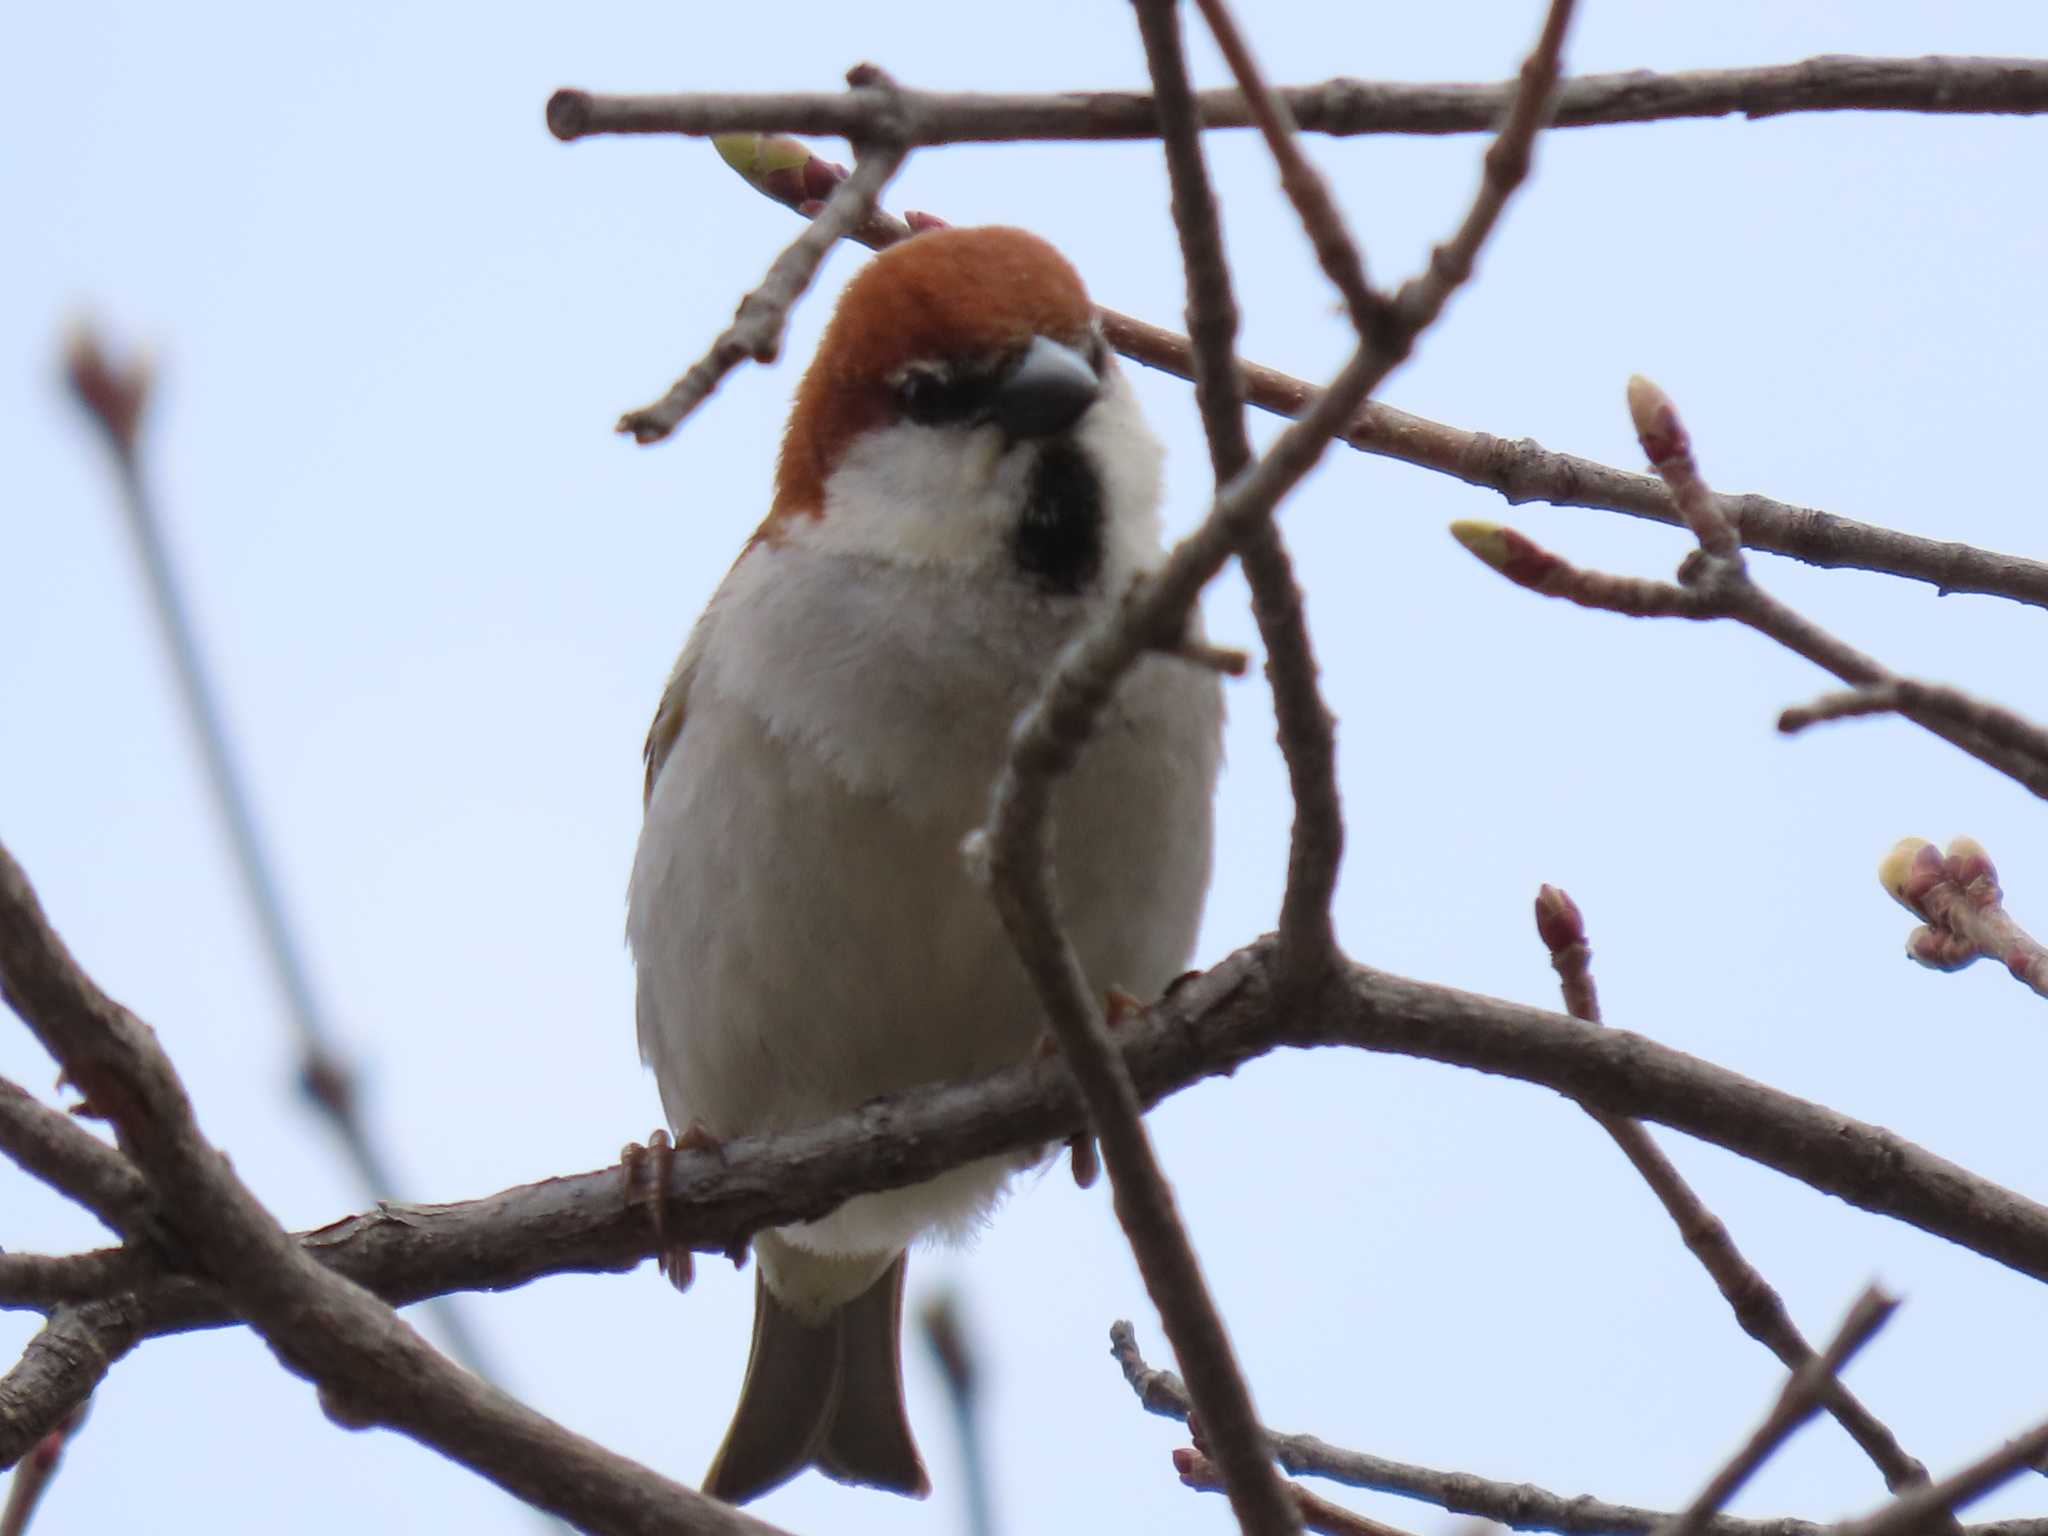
point(1962, 909)
point(959, 1362)
point(1799, 1400)
point(33, 1472)
point(116, 398)
point(1714, 583)
point(1758, 1307)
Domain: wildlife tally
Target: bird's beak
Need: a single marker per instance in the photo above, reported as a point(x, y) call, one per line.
point(1045, 392)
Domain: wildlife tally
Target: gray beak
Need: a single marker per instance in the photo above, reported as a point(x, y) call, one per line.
point(1046, 392)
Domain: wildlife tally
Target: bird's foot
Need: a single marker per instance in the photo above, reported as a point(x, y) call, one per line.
point(1118, 1007)
point(645, 1174)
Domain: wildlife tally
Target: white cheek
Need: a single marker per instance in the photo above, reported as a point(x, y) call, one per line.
point(952, 497)
point(919, 494)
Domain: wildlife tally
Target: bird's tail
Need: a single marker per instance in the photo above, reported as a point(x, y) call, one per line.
point(827, 1394)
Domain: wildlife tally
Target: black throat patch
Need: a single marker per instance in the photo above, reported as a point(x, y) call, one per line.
point(1058, 542)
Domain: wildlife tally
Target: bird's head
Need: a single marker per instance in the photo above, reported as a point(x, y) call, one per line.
point(964, 410)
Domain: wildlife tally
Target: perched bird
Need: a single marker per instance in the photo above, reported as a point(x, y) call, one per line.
point(965, 482)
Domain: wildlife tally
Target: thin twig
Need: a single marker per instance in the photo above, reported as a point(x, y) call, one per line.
point(1306, 731)
point(1714, 583)
point(756, 330)
point(1758, 1307)
point(1910, 696)
point(1831, 83)
point(1335, 249)
point(33, 1472)
point(1958, 896)
point(1316, 1513)
point(1522, 1506)
point(1799, 1401)
point(1520, 469)
point(1014, 848)
point(1923, 1507)
point(947, 1337)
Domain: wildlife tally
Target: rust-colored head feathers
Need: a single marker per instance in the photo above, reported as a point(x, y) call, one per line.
point(946, 295)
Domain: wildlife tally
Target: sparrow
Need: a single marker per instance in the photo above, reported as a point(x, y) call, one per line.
point(964, 484)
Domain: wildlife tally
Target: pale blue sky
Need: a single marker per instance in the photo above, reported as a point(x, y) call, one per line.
point(395, 321)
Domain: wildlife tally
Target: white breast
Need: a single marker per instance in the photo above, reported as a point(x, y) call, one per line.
point(805, 931)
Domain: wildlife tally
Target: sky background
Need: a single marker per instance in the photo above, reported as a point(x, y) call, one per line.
point(395, 321)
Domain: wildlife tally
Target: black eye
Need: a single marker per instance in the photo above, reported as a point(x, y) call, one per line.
point(932, 399)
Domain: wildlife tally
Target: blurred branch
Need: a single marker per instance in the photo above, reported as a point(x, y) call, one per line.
point(1797, 1402)
point(1014, 848)
point(1316, 1513)
point(117, 398)
point(33, 1472)
point(66, 1156)
point(1958, 898)
point(1520, 470)
point(59, 1370)
point(1758, 1307)
point(1830, 83)
point(1522, 1506)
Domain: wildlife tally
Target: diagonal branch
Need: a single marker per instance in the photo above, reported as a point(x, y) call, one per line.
point(70, 1159)
point(370, 1367)
point(756, 330)
point(1758, 1307)
point(1797, 1402)
point(1831, 83)
point(1522, 1506)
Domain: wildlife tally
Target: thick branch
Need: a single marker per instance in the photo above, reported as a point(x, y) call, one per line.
point(371, 1367)
point(1830, 83)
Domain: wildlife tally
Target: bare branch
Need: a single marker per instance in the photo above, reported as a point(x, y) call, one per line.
point(1520, 470)
point(1917, 1510)
point(1958, 896)
point(1306, 731)
point(1522, 1506)
point(756, 330)
point(1316, 1513)
point(59, 1371)
point(1799, 1401)
point(1910, 697)
point(33, 1472)
point(70, 1159)
point(1714, 583)
point(1758, 1307)
point(371, 1367)
point(1014, 849)
point(1830, 83)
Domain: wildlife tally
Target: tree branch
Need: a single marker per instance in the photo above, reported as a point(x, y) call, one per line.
point(1829, 83)
point(371, 1367)
point(1520, 470)
point(1522, 1506)
point(1757, 1306)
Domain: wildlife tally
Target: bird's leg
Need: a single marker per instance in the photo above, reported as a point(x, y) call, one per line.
point(659, 1154)
point(1117, 1006)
